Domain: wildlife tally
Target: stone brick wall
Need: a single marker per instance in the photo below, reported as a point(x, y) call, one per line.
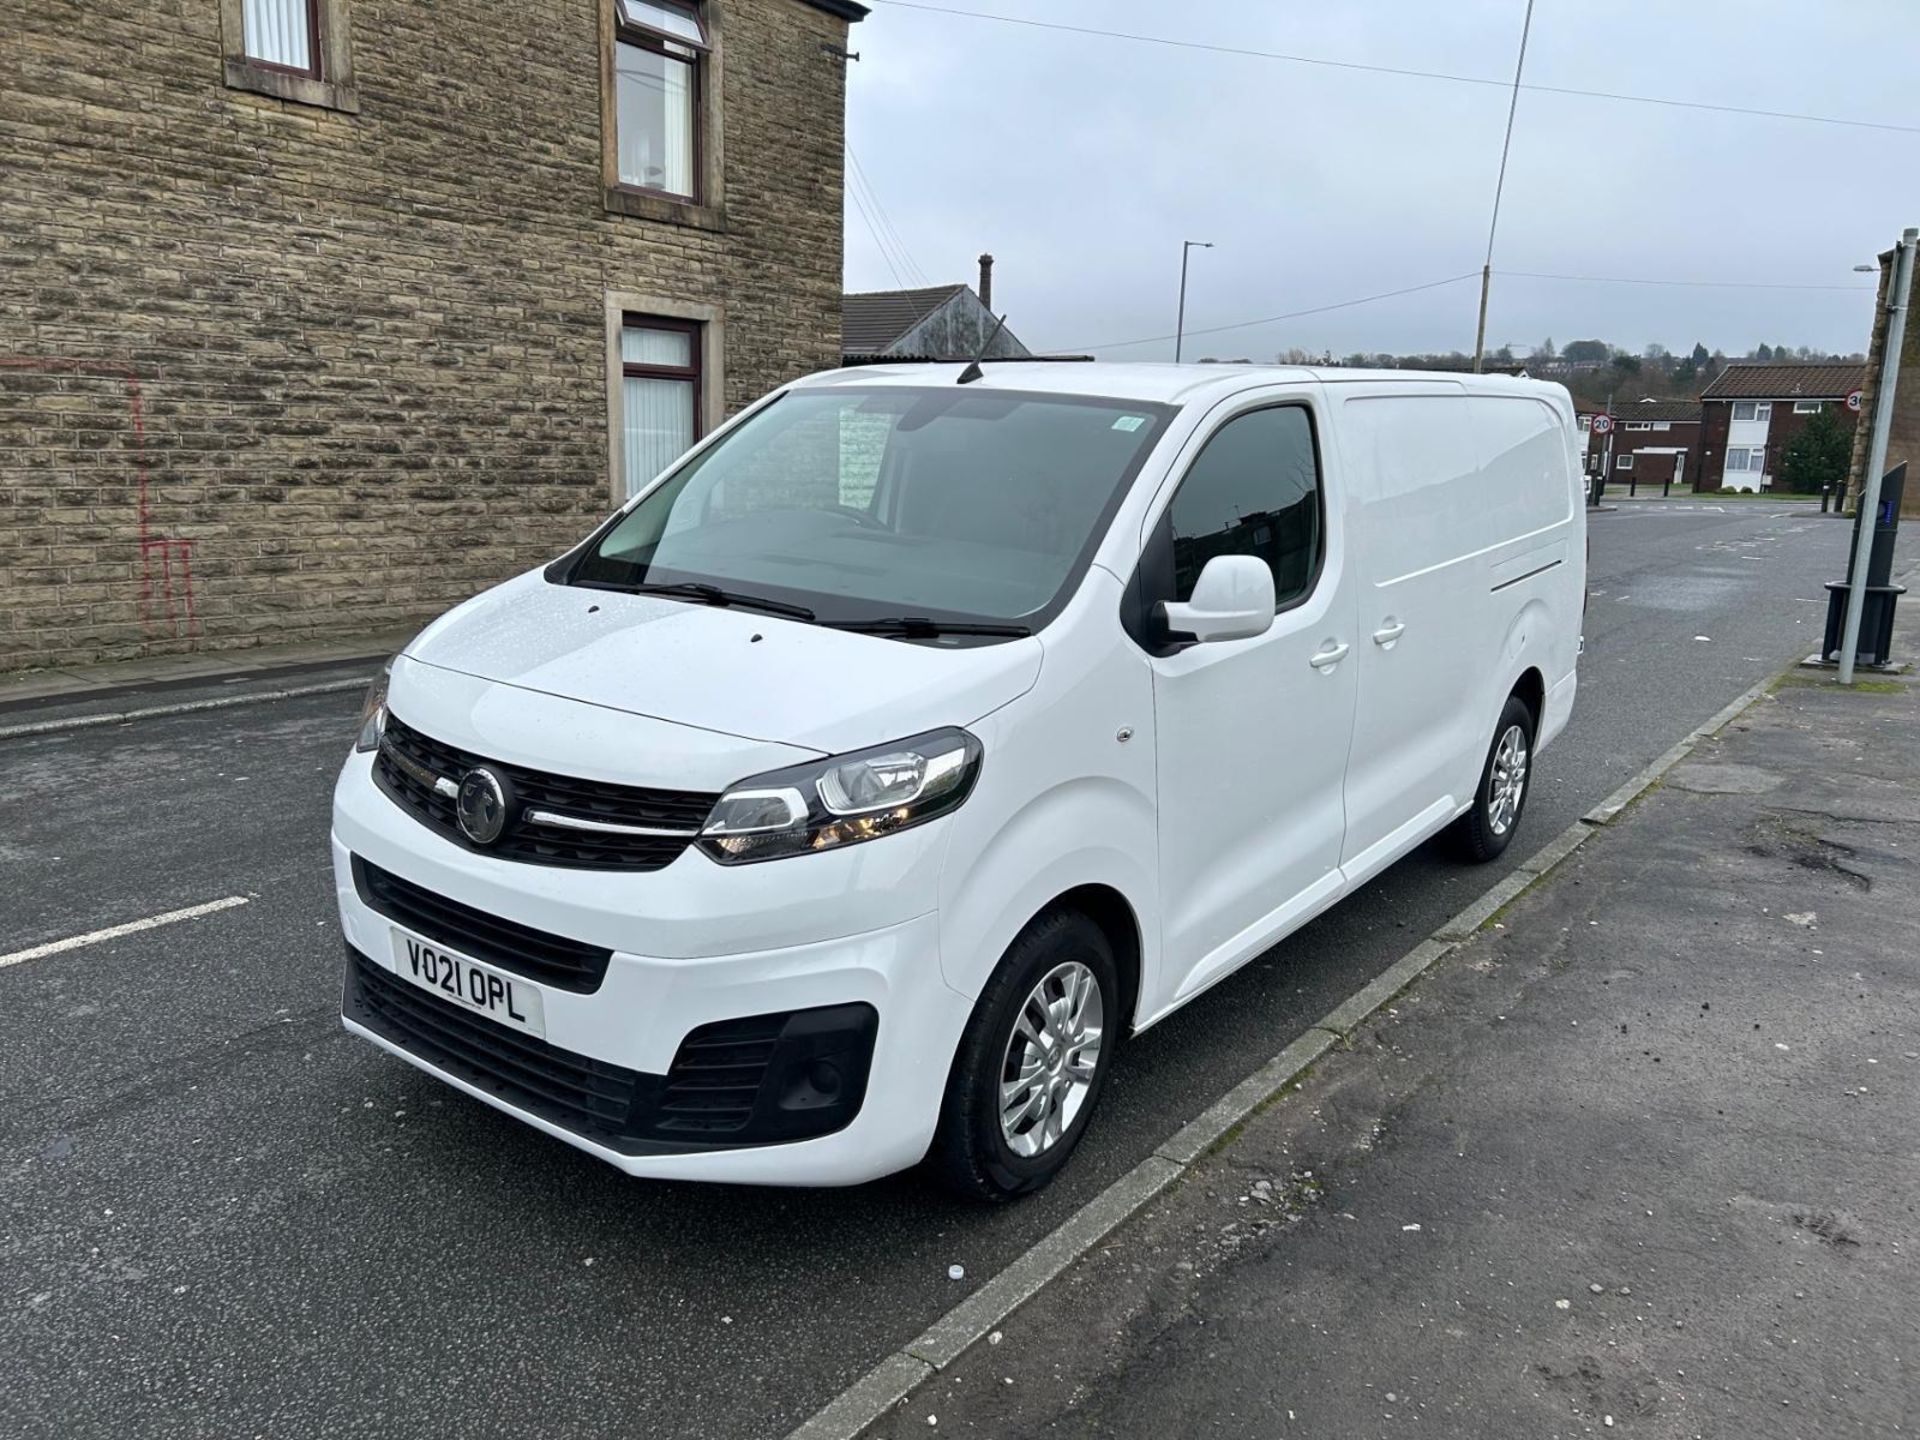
point(1903, 437)
point(270, 371)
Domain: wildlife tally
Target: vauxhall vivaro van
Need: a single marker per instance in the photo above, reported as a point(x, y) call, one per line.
point(848, 796)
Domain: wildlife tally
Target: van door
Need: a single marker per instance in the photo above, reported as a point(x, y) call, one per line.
point(1412, 463)
point(1459, 502)
point(1250, 735)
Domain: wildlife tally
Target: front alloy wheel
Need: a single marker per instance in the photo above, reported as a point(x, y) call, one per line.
point(1051, 1060)
point(1030, 1066)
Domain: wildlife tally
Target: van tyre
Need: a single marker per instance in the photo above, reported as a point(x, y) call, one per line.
point(1032, 1062)
point(1487, 829)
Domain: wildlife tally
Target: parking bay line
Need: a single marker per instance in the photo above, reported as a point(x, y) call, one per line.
point(114, 932)
point(902, 1372)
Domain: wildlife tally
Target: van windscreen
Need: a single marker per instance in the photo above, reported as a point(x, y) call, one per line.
point(861, 503)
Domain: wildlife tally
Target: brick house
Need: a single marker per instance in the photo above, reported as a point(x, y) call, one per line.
point(1753, 408)
point(317, 316)
point(1653, 442)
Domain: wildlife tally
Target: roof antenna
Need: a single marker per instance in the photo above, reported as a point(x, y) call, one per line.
point(973, 371)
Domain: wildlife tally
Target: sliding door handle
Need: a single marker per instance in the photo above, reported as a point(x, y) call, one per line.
point(1389, 633)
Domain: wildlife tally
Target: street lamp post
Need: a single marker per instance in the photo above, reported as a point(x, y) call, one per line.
point(1180, 325)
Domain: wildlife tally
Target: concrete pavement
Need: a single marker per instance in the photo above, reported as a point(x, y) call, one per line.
point(1637, 1160)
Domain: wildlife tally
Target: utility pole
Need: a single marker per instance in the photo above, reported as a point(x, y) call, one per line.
point(1898, 295)
point(1180, 325)
point(1486, 271)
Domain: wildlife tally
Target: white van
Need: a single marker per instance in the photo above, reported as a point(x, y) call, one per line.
point(846, 797)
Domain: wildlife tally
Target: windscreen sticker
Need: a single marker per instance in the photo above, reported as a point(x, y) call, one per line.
point(1129, 423)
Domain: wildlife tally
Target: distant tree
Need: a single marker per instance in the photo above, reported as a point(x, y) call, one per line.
point(1502, 356)
point(1627, 364)
point(1578, 350)
point(1544, 350)
point(1686, 372)
point(1699, 356)
point(1817, 455)
point(1657, 352)
point(1763, 351)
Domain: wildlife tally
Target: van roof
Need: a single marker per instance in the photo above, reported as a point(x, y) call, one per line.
point(1161, 383)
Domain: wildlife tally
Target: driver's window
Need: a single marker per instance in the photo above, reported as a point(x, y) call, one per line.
point(1254, 490)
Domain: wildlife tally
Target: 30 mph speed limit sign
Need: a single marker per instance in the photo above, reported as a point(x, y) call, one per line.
point(1854, 398)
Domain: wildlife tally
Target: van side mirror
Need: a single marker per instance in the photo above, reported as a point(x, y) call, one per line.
point(1232, 600)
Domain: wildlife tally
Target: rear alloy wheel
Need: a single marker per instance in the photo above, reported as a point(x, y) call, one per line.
point(1032, 1062)
point(1487, 829)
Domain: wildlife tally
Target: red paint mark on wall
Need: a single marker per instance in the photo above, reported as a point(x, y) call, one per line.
point(166, 564)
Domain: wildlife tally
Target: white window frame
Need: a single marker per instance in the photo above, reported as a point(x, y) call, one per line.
point(1623, 461)
point(1663, 425)
point(1808, 407)
point(1638, 425)
point(1762, 410)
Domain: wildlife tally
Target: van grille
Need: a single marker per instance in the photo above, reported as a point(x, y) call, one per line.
point(408, 756)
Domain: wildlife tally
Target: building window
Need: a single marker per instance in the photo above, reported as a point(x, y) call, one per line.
point(659, 395)
point(1586, 422)
point(283, 34)
point(290, 49)
point(1806, 407)
point(1638, 425)
point(1753, 410)
point(658, 53)
point(1747, 460)
point(1663, 425)
point(1623, 462)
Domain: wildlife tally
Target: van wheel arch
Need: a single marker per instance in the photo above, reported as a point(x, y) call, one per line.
point(1110, 910)
point(1531, 690)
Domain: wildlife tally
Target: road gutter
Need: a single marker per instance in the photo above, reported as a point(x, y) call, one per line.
point(943, 1342)
point(183, 707)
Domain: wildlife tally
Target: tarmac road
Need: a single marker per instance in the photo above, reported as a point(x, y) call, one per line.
point(224, 1216)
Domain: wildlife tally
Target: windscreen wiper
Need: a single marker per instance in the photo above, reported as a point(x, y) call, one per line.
point(714, 595)
point(915, 627)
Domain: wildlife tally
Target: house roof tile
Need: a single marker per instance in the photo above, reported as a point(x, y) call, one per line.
point(870, 322)
point(1799, 380)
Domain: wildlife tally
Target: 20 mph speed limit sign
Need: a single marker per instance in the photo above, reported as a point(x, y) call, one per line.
point(1602, 424)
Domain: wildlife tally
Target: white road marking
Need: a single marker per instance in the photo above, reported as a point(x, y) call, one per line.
point(114, 932)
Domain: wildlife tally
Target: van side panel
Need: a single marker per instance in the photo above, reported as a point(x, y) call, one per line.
point(1466, 524)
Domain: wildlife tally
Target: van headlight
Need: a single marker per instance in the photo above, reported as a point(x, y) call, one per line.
point(373, 712)
point(843, 799)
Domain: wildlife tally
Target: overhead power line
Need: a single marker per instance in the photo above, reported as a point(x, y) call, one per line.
point(1455, 280)
point(1274, 319)
point(859, 177)
point(1703, 284)
point(1173, 42)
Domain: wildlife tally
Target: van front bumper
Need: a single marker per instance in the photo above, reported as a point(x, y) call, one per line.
point(823, 1034)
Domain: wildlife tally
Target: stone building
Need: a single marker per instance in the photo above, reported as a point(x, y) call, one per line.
point(1903, 436)
point(317, 316)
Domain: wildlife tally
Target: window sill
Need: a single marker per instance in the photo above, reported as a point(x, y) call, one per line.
point(282, 85)
point(643, 205)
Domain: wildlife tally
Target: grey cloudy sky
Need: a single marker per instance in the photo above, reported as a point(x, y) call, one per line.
point(1082, 162)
